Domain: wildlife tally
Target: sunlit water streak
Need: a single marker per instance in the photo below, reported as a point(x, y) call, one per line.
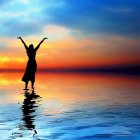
point(70, 107)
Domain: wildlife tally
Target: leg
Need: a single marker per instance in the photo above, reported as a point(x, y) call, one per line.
point(26, 85)
point(32, 82)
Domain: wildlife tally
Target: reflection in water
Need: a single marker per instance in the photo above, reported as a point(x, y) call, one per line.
point(29, 107)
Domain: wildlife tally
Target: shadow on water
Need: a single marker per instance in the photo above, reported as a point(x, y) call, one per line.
point(29, 107)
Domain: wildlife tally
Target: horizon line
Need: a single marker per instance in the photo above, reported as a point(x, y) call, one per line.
point(135, 70)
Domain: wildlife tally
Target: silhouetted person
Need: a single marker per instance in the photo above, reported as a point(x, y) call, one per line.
point(28, 109)
point(31, 67)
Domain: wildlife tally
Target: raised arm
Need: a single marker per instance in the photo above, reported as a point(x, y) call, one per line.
point(40, 44)
point(23, 42)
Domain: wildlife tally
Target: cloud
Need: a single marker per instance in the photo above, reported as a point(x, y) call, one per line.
point(98, 16)
point(20, 29)
point(20, 18)
point(55, 33)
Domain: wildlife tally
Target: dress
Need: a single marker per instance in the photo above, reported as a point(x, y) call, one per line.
point(31, 67)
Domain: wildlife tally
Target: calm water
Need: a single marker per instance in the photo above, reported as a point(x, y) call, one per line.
point(70, 107)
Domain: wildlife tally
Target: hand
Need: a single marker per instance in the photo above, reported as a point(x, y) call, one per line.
point(18, 37)
point(45, 38)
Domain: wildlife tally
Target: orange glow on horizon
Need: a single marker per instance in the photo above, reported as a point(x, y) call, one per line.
point(66, 51)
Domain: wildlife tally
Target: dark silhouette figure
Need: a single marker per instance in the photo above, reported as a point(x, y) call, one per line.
point(28, 109)
point(31, 67)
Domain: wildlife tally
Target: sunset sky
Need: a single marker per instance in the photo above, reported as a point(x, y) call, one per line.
point(82, 33)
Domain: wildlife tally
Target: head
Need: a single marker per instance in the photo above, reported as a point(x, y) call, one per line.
point(31, 47)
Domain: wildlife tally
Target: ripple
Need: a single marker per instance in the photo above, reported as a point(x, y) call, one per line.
point(101, 136)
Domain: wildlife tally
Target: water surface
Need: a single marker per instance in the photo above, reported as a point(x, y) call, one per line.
point(70, 107)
